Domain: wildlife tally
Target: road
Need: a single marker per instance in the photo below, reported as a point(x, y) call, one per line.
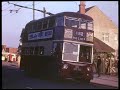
point(13, 78)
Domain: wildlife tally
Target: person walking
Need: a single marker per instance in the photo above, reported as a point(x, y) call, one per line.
point(108, 66)
point(98, 65)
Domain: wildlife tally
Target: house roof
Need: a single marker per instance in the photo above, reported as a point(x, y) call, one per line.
point(100, 46)
point(87, 9)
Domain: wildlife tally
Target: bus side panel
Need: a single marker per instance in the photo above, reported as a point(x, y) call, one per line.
point(59, 33)
point(40, 66)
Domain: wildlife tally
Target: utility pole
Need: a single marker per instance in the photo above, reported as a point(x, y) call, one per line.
point(33, 10)
point(44, 11)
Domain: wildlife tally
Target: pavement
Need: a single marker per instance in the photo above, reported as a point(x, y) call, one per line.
point(108, 80)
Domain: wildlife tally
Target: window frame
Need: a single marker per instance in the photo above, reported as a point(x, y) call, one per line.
point(49, 22)
point(38, 25)
point(70, 20)
point(60, 21)
point(45, 20)
point(41, 48)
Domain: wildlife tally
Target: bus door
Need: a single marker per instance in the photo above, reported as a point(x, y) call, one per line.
point(85, 53)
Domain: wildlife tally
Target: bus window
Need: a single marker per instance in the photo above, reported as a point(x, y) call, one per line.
point(36, 50)
point(45, 24)
point(25, 51)
point(41, 50)
point(28, 51)
point(60, 21)
point(34, 26)
point(51, 22)
point(89, 25)
point(70, 52)
point(57, 49)
point(39, 26)
point(31, 50)
point(54, 46)
point(22, 51)
point(71, 22)
point(83, 24)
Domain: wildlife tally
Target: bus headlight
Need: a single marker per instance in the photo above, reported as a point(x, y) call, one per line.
point(88, 68)
point(65, 66)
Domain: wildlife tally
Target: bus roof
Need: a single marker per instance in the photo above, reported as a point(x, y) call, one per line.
point(70, 14)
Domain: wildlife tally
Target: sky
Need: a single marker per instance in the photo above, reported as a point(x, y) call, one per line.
point(12, 23)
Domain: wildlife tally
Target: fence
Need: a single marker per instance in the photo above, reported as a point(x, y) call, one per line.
point(108, 66)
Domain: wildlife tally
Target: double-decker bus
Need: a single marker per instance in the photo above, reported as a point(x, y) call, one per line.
point(59, 46)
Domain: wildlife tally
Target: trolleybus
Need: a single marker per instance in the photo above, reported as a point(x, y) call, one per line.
point(59, 46)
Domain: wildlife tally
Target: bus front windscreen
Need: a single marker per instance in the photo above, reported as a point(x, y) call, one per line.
point(70, 52)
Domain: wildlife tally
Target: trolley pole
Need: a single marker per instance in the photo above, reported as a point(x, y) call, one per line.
point(33, 10)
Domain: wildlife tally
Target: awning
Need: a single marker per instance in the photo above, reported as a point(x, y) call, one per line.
point(100, 46)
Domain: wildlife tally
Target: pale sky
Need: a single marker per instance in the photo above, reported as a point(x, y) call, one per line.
point(12, 23)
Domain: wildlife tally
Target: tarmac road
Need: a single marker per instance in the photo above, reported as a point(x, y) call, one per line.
point(13, 78)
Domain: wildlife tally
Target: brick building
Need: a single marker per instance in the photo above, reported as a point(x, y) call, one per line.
point(9, 49)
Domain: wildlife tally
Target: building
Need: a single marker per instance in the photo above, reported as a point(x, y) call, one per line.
point(105, 33)
point(11, 50)
point(104, 29)
point(3, 48)
point(7, 51)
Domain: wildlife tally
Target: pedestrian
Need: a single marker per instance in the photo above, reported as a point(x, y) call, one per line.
point(98, 65)
point(108, 66)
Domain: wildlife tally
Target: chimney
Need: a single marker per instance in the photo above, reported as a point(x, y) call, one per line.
point(82, 7)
